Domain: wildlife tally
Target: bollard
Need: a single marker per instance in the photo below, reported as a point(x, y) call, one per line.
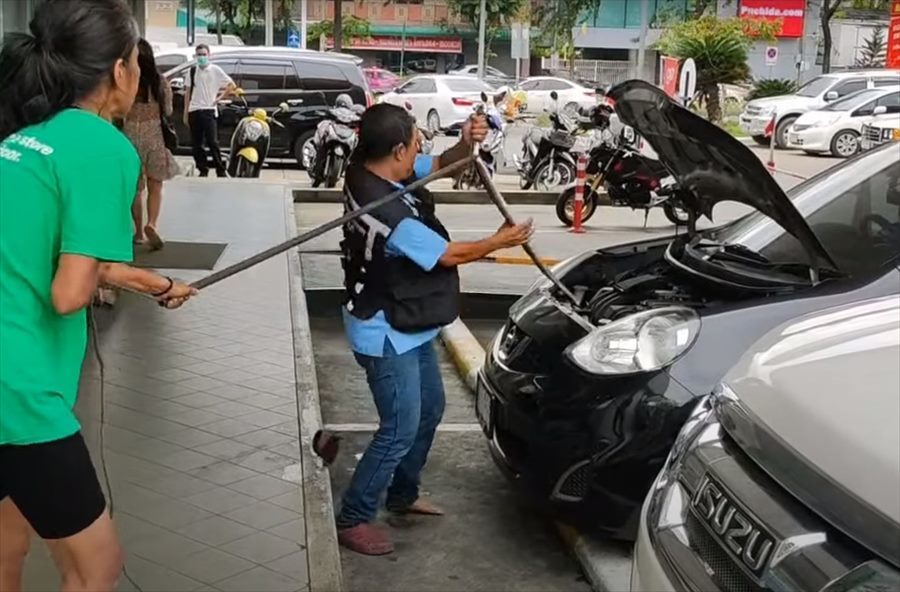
point(578, 206)
point(770, 131)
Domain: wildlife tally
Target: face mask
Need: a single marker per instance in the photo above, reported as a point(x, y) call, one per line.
point(202, 61)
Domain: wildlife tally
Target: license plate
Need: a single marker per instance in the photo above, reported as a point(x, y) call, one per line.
point(793, 139)
point(483, 408)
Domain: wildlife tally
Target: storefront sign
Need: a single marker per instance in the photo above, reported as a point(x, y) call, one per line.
point(893, 38)
point(670, 78)
point(416, 44)
point(790, 12)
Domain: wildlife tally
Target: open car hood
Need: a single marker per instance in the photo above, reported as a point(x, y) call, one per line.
point(708, 163)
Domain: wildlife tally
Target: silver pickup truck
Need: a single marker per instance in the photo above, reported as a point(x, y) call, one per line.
point(787, 477)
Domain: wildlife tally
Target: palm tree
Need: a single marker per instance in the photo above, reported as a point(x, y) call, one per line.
point(719, 49)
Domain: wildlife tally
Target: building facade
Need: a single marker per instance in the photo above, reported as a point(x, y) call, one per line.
point(16, 14)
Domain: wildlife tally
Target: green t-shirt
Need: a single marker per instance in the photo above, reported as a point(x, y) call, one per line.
point(66, 186)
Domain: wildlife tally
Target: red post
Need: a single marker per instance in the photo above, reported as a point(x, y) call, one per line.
point(580, 173)
point(770, 130)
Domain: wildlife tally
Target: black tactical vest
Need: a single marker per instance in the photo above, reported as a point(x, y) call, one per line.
point(412, 299)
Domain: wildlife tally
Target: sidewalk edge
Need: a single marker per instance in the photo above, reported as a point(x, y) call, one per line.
point(322, 552)
point(601, 567)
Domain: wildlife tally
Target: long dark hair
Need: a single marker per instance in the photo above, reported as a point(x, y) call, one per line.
point(72, 47)
point(150, 84)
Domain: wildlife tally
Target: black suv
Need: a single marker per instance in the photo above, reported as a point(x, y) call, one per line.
point(306, 80)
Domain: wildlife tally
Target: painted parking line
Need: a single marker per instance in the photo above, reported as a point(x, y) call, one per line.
point(371, 427)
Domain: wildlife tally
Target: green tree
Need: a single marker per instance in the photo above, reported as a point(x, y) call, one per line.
point(557, 20)
point(499, 14)
point(719, 49)
point(874, 51)
point(835, 8)
point(240, 15)
point(352, 27)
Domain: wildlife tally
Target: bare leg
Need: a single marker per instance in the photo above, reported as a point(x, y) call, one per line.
point(154, 203)
point(90, 561)
point(137, 215)
point(15, 538)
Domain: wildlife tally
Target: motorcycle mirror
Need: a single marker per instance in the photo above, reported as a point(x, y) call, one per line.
point(554, 95)
point(484, 96)
point(177, 83)
point(284, 106)
point(408, 106)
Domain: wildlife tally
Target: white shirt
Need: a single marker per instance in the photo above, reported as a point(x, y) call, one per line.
point(208, 82)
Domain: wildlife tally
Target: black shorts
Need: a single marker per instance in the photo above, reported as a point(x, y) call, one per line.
point(53, 484)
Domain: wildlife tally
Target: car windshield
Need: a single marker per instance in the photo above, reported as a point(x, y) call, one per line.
point(816, 86)
point(853, 208)
point(466, 85)
point(857, 99)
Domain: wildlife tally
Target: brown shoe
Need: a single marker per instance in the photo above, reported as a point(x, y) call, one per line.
point(365, 539)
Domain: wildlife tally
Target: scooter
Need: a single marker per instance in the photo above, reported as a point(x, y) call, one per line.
point(548, 160)
point(250, 140)
point(334, 142)
point(491, 148)
point(631, 180)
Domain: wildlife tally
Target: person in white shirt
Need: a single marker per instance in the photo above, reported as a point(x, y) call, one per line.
point(207, 84)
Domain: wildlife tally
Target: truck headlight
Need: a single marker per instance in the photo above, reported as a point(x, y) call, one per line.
point(641, 342)
point(871, 576)
point(766, 111)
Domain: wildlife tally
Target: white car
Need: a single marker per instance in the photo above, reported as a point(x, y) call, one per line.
point(813, 95)
point(440, 101)
point(571, 95)
point(836, 128)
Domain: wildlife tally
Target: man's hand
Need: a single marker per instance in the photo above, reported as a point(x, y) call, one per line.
point(510, 235)
point(475, 130)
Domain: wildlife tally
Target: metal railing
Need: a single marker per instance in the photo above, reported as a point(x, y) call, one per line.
point(599, 71)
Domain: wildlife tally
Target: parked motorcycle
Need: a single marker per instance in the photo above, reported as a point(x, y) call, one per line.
point(333, 143)
point(631, 180)
point(491, 148)
point(549, 158)
point(250, 140)
point(426, 136)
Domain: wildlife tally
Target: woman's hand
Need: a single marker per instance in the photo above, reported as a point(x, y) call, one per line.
point(177, 295)
point(475, 130)
point(510, 235)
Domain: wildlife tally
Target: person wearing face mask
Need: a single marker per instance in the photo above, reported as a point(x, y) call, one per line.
point(67, 181)
point(402, 286)
point(205, 86)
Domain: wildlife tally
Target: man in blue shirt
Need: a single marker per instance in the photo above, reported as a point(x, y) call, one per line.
point(401, 287)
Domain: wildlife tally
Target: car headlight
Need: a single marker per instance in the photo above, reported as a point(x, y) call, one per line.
point(641, 342)
point(766, 110)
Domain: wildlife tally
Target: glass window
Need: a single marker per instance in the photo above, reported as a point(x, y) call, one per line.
point(853, 211)
point(466, 85)
point(816, 86)
point(167, 62)
point(555, 85)
point(529, 85)
point(850, 86)
point(854, 101)
point(891, 101)
point(262, 76)
point(419, 86)
point(887, 81)
point(319, 76)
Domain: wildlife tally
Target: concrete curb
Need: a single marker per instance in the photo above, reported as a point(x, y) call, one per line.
point(604, 564)
point(322, 553)
point(446, 196)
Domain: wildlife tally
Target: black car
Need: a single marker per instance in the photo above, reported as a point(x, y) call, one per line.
point(308, 81)
point(581, 401)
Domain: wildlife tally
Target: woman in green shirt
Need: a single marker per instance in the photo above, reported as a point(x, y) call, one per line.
point(67, 179)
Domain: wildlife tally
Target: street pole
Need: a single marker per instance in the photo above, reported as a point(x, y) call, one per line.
point(191, 25)
point(218, 22)
point(642, 42)
point(303, 24)
point(482, 25)
point(338, 33)
point(270, 23)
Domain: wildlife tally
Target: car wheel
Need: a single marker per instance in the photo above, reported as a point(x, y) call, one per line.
point(761, 140)
point(845, 144)
point(781, 132)
point(302, 140)
point(434, 121)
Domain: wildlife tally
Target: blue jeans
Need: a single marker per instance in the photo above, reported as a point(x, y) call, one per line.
point(409, 396)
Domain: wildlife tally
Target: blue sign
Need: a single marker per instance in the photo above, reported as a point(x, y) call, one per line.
point(293, 38)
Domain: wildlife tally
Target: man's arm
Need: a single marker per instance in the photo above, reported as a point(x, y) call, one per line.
point(226, 85)
point(459, 253)
point(187, 104)
point(146, 282)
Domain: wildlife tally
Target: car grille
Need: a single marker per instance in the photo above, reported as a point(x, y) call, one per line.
point(574, 483)
point(520, 352)
point(727, 575)
point(872, 134)
point(751, 110)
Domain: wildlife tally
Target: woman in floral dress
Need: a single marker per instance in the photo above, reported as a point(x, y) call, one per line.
point(143, 128)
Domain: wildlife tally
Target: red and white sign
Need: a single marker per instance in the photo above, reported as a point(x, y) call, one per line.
point(669, 81)
point(389, 43)
point(789, 12)
point(893, 38)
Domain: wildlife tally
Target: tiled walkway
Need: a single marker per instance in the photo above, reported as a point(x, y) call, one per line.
point(201, 430)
